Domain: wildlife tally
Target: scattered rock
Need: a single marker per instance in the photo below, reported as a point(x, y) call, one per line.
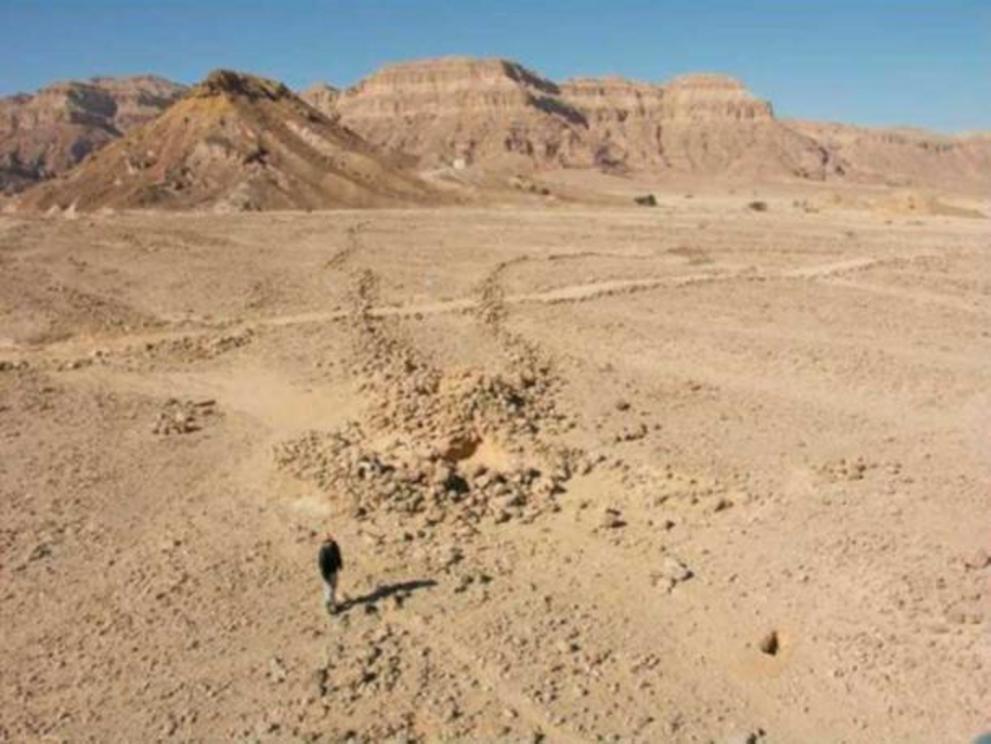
point(74, 364)
point(523, 183)
point(632, 433)
point(200, 347)
point(182, 417)
point(843, 469)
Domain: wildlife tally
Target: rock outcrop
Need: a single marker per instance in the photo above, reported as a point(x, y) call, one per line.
point(47, 133)
point(323, 98)
point(234, 142)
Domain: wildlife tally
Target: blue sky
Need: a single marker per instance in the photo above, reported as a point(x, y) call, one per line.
point(863, 61)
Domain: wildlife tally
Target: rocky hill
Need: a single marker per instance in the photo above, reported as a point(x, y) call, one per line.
point(906, 157)
point(47, 133)
point(235, 142)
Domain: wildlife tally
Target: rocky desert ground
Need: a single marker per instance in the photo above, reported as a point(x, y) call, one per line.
point(706, 472)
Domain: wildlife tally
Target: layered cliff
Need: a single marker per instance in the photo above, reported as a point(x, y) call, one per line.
point(497, 113)
point(461, 110)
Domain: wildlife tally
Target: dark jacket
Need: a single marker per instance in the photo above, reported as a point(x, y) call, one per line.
point(330, 559)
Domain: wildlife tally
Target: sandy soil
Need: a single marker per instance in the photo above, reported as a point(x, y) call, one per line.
point(687, 474)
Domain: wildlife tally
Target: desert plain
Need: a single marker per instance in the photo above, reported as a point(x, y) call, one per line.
point(702, 472)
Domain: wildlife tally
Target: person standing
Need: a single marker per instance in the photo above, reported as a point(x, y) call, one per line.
point(330, 562)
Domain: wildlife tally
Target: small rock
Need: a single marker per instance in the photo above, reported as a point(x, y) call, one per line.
point(744, 737)
point(675, 570)
point(612, 519)
point(276, 670)
point(977, 560)
point(770, 644)
point(320, 681)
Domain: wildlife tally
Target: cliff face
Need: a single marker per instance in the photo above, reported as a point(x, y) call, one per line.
point(498, 113)
point(623, 117)
point(467, 110)
point(233, 142)
point(47, 133)
point(712, 124)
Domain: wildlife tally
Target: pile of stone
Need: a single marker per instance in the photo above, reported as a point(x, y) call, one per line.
point(411, 395)
point(183, 417)
point(428, 481)
point(197, 347)
point(416, 452)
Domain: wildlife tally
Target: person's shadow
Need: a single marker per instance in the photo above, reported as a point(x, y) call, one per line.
point(400, 591)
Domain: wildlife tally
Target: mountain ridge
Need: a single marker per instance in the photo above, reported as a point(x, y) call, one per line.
point(500, 116)
point(233, 142)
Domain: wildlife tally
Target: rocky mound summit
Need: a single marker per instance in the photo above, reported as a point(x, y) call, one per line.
point(47, 133)
point(235, 142)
